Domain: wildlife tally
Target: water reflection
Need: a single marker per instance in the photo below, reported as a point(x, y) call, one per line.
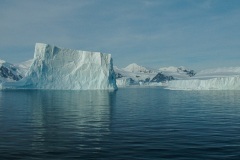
point(56, 121)
point(148, 123)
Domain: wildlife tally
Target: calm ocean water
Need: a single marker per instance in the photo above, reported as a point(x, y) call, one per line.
point(132, 123)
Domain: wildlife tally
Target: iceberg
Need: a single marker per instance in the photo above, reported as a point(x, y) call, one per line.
point(219, 83)
point(227, 78)
point(66, 69)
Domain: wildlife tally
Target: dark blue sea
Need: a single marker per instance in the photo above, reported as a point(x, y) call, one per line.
point(128, 124)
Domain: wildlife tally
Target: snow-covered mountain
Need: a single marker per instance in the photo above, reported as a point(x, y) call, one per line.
point(135, 74)
point(9, 72)
point(179, 72)
point(24, 66)
point(227, 78)
point(59, 68)
point(138, 69)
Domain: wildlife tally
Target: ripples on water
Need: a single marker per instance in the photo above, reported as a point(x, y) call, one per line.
point(134, 123)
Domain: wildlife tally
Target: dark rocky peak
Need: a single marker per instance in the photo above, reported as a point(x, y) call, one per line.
point(9, 71)
point(161, 78)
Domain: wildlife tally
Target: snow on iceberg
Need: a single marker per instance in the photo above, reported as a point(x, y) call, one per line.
point(67, 69)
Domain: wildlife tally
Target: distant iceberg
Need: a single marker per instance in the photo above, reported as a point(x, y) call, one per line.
point(210, 79)
point(220, 83)
point(67, 69)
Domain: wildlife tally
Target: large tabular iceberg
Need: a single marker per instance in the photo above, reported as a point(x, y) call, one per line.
point(66, 69)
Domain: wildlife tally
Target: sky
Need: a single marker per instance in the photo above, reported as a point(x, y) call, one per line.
point(197, 34)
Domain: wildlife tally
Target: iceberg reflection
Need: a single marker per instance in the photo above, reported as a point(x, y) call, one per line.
point(76, 119)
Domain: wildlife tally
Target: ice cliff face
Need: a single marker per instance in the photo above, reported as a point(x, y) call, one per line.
point(66, 69)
